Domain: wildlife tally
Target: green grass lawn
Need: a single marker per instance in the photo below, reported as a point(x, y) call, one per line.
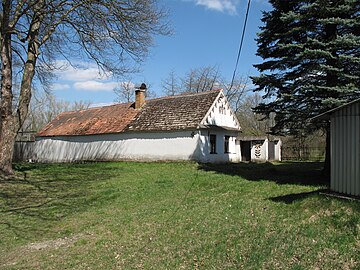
point(130, 215)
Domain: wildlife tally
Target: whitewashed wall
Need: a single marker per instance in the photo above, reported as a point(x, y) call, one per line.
point(221, 115)
point(182, 145)
point(24, 151)
point(278, 145)
point(259, 150)
point(220, 156)
point(179, 145)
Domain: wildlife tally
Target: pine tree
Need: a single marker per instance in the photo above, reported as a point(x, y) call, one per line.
point(311, 53)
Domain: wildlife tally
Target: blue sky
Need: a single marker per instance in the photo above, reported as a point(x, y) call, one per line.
point(206, 32)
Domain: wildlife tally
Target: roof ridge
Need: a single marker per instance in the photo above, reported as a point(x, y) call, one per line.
point(97, 107)
point(187, 94)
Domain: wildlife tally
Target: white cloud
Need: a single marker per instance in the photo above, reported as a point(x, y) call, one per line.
point(83, 76)
point(93, 85)
point(219, 5)
point(78, 74)
point(79, 71)
point(60, 86)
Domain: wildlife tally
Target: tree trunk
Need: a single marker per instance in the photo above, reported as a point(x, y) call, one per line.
point(7, 120)
point(327, 164)
point(7, 139)
point(10, 121)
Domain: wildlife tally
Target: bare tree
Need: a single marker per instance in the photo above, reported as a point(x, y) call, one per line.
point(171, 85)
point(252, 123)
point(205, 79)
point(34, 33)
point(236, 91)
point(124, 91)
point(201, 79)
point(149, 92)
point(45, 107)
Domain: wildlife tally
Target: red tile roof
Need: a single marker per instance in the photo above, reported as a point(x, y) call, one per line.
point(167, 113)
point(108, 119)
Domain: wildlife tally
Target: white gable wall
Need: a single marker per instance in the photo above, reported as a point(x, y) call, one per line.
point(220, 114)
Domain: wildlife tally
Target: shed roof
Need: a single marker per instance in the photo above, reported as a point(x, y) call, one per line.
point(161, 114)
point(326, 115)
point(257, 138)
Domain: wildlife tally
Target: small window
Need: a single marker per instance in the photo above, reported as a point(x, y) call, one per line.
point(212, 144)
point(226, 144)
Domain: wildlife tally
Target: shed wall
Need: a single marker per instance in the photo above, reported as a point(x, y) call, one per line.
point(345, 150)
point(278, 145)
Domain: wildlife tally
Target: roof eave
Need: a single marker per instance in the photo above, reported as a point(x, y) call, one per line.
point(321, 117)
point(218, 127)
point(119, 132)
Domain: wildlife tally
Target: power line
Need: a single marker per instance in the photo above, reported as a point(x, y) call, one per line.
point(241, 43)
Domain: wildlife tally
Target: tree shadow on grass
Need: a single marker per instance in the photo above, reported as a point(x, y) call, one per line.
point(297, 173)
point(293, 173)
point(291, 198)
point(35, 200)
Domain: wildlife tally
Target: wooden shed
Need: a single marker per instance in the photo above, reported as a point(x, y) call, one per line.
point(345, 147)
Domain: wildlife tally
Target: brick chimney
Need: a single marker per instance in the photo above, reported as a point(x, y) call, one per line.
point(140, 96)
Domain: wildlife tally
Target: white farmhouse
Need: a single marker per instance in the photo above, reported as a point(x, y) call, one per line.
point(200, 127)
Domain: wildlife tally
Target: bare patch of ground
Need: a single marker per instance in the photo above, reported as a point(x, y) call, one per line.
point(54, 244)
point(63, 242)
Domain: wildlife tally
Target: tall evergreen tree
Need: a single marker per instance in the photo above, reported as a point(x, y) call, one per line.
point(311, 52)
